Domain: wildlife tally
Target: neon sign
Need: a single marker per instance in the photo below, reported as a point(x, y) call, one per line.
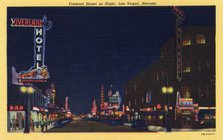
point(178, 12)
point(186, 102)
point(179, 49)
point(38, 72)
point(22, 22)
point(180, 16)
point(16, 108)
point(148, 97)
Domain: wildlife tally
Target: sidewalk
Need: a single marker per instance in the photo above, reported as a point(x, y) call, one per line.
point(36, 130)
point(163, 129)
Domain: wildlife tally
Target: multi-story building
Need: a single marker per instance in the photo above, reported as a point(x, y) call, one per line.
point(193, 97)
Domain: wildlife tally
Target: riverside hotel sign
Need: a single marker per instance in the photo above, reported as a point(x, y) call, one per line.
point(38, 72)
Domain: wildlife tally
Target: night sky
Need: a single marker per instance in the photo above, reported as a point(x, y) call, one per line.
point(88, 47)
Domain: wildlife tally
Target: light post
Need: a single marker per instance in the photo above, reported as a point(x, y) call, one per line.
point(167, 90)
point(27, 91)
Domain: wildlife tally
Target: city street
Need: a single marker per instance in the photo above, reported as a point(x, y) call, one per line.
point(80, 125)
point(116, 74)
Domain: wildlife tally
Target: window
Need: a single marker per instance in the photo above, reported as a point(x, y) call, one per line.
point(208, 64)
point(186, 91)
point(157, 76)
point(135, 87)
point(126, 91)
point(186, 41)
point(163, 74)
point(154, 78)
point(199, 66)
point(130, 103)
point(161, 55)
point(199, 91)
point(187, 94)
point(201, 39)
point(142, 100)
point(207, 92)
point(186, 67)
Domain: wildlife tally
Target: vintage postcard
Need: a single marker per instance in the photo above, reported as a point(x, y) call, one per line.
point(111, 69)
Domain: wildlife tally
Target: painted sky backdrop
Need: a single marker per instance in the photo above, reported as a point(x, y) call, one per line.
point(87, 47)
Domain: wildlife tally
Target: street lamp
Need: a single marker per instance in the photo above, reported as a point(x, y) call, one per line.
point(167, 90)
point(27, 91)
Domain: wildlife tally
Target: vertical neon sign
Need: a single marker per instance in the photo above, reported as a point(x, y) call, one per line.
point(180, 17)
point(39, 43)
point(179, 49)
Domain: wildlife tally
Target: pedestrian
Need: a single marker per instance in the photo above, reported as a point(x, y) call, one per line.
point(11, 126)
point(42, 125)
point(32, 124)
point(23, 122)
point(16, 124)
point(50, 122)
point(46, 124)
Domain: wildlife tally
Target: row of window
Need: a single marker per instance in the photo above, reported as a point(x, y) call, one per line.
point(200, 66)
point(200, 39)
point(202, 92)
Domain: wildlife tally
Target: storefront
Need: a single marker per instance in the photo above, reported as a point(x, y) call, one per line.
point(185, 113)
point(16, 115)
point(186, 118)
point(37, 114)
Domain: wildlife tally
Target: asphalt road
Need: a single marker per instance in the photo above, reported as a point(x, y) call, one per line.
point(80, 125)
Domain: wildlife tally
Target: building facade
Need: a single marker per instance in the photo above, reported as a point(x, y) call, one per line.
point(17, 102)
point(192, 99)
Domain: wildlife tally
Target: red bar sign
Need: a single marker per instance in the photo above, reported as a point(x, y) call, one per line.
point(24, 22)
point(16, 108)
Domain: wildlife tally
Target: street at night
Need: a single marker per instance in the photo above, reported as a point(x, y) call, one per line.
point(76, 70)
point(80, 125)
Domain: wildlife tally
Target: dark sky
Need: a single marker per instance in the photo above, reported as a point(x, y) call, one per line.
point(87, 47)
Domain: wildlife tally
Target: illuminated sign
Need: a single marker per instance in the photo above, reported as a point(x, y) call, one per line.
point(53, 92)
point(113, 106)
point(41, 109)
point(35, 108)
point(158, 106)
point(180, 16)
point(179, 50)
point(38, 73)
point(16, 108)
point(113, 99)
point(148, 97)
point(104, 105)
point(186, 102)
point(25, 22)
point(178, 12)
point(66, 103)
point(146, 109)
